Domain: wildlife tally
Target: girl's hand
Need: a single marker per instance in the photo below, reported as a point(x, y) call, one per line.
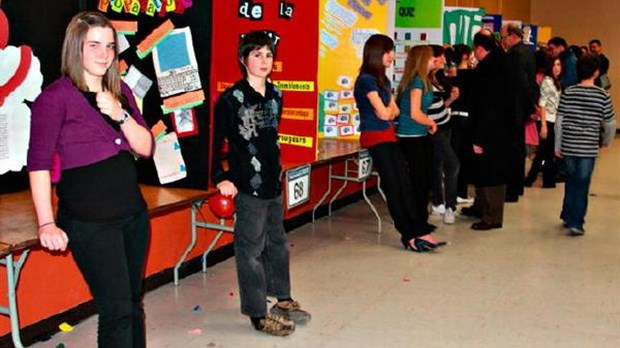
point(543, 132)
point(109, 105)
point(53, 238)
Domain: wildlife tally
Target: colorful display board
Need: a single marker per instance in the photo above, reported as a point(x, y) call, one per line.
point(460, 24)
point(344, 28)
point(293, 26)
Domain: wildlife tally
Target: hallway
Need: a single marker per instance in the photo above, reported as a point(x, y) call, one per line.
point(526, 285)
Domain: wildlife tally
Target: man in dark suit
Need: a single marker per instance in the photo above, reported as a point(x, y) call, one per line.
point(523, 94)
point(490, 125)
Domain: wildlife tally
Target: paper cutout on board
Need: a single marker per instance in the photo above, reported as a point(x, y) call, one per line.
point(183, 101)
point(158, 35)
point(330, 120)
point(343, 119)
point(20, 80)
point(344, 108)
point(175, 64)
point(460, 24)
point(346, 131)
point(330, 131)
point(123, 44)
point(138, 82)
point(168, 159)
point(125, 27)
point(184, 122)
point(331, 106)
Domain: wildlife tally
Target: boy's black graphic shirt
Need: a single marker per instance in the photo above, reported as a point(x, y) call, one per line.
point(250, 123)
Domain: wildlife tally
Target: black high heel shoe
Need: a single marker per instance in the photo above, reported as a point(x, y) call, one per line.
point(418, 245)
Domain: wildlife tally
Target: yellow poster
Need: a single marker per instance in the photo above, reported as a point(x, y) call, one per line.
point(344, 27)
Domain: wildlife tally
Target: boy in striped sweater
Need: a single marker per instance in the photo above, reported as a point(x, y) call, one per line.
point(584, 108)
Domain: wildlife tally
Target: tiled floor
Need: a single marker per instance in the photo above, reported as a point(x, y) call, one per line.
point(526, 285)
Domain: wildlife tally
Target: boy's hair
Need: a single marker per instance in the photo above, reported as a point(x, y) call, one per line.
point(461, 50)
point(73, 48)
point(558, 41)
point(484, 41)
point(587, 65)
point(595, 41)
point(251, 41)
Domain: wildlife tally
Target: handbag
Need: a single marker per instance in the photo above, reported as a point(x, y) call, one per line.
point(531, 133)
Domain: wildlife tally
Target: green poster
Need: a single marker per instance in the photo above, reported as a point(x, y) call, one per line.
point(419, 13)
point(460, 24)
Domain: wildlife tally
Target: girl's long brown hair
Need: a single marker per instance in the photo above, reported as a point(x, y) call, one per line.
point(72, 52)
point(375, 47)
point(416, 65)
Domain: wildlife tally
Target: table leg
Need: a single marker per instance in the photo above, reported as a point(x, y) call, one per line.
point(12, 273)
point(372, 207)
point(195, 207)
point(329, 190)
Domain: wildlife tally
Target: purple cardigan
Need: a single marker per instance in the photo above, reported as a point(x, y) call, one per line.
point(63, 120)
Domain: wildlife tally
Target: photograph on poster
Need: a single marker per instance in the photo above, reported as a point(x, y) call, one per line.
point(330, 131)
point(343, 119)
point(344, 108)
point(184, 122)
point(346, 94)
point(346, 130)
point(331, 106)
point(330, 95)
point(330, 120)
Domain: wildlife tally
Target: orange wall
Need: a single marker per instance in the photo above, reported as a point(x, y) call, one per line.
point(578, 22)
point(51, 283)
point(510, 9)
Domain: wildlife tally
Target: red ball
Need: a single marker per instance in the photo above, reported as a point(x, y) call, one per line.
point(222, 206)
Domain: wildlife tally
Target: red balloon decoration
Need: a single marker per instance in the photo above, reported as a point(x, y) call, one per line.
point(222, 206)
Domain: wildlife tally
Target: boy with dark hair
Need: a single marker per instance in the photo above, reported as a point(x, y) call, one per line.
point(558, 48)
point(247, 114)
point(583, 109)
point(596, 48)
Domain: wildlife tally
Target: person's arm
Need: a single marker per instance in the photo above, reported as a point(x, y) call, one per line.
point(543, 123)
point(609, 123)
point(416, 111)
point(50, 236)
point(139, 137)
point(383, 112)
point(558, 127)
point(454, 95)
point(394, 107)
point(219, 175)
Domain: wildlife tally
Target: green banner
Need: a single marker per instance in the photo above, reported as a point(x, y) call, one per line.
point(418, 13)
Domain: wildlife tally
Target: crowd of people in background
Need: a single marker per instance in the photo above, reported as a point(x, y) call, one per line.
point(460, 116)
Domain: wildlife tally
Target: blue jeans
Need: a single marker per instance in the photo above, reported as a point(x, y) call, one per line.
point(261, 253)
point(578, 177)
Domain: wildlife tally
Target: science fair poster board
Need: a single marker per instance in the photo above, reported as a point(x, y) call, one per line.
point(294, 28)
point(343, 29)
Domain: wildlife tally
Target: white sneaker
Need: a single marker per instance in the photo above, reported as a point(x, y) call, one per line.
point(460, 200)
point(438, 209)
point(448, 216)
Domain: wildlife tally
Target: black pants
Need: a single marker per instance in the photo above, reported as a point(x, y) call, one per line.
point(545, 159)
point(390, 163)
point(516, 158)
point(462, 144)
point(111, 257)
point(418, 153)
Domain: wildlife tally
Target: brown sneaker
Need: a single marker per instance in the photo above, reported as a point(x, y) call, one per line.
point(276, 326)
point(291, 310)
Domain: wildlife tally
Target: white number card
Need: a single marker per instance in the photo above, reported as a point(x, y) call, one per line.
point(297, 186)
point(364, 165)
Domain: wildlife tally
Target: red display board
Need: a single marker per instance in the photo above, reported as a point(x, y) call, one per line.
point(294, 27)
